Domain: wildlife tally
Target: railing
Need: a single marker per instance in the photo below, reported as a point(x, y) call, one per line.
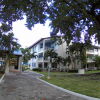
point(90, 60)
point(40, 59)
point(92, 52)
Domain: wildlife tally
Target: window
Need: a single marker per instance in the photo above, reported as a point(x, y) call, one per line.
point(91, 50)
point(96, 50)
point(40, 65)
point(99, 40)
point(34, 49)
point(34, 64)
point(40, 55)
point(41, 45)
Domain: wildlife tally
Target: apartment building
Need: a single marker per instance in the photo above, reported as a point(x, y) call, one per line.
point(91, 53)
point(47, 43)
point(39, 48)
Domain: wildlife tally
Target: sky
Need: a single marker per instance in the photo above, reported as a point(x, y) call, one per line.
point(28, 37)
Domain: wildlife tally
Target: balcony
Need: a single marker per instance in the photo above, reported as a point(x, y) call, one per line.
point(40, 59)
point(93, 52)
point(90, 60)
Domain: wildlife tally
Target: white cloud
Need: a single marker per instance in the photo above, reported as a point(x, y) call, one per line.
point(28, 37)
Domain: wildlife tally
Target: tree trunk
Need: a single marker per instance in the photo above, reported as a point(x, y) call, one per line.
point(7, 65)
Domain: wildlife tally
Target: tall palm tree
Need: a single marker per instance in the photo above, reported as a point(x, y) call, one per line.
point(27, 55)
point(51, 54)
point(8, 44)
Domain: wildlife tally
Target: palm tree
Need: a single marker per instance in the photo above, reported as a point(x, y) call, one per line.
point(27, 55)
point(51, 54)
point(8, 44)
point(58, 61)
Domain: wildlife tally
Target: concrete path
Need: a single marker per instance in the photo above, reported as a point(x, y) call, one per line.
point(26, 86)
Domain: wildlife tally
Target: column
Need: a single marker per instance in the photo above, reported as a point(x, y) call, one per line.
point(20, 63)
point(43, 54)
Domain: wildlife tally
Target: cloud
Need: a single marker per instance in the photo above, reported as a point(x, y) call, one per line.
point(27, 37)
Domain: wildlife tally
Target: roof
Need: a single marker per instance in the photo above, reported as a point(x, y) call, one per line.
point(95, 46)
point(17, 52)
point(38, 42)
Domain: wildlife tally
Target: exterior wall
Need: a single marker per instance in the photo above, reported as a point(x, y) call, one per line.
point(91, 53)
point(19, 65)
point(40, 49)
point(61, 50)
point(44, 45)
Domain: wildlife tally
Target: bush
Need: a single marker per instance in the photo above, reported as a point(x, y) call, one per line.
point(37, 69)
point(25, 67)
point(73, 71)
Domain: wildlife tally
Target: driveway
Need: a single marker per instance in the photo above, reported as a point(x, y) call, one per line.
point(26, 86)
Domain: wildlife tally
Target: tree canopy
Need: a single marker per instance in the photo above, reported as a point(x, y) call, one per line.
point(27, 55)
point(7, 40)
point(69, 17)
point(50, 53)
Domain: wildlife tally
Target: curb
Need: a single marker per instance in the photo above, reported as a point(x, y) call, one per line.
point(70, 92)
point(1, 79)
point(39, 73)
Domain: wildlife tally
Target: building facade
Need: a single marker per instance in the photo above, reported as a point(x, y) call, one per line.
point(47, 43)
point(39, 48)
point(13, 64)
point(91, 53)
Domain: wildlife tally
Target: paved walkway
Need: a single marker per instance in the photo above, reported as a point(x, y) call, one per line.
point(26, 86)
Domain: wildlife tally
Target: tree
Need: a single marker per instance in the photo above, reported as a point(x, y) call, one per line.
point(58, 61)
point(97, 61)
point(27, 55)
point(72, 18)
point(8, 43)
point(51, 54)
point(69, 17)
point(78, 53)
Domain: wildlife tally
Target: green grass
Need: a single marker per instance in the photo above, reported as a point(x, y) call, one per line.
point(85, 84)
point(94, 71)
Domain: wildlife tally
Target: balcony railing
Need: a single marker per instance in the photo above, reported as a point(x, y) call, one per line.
point(90, 60)
point(92, 52)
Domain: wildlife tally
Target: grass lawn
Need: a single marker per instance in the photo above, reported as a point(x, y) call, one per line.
point(88, 84)
point(94, 71)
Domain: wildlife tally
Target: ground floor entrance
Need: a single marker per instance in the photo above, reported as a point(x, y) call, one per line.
point(10, 63)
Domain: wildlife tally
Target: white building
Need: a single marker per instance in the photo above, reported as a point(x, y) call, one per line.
point(47, 43)
point(39, 48)
point(91, 53)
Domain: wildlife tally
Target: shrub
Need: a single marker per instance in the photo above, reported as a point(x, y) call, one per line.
point(73, 71)
point(37, 69)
